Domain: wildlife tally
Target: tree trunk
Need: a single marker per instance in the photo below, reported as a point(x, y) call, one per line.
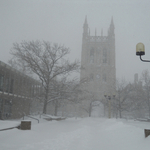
point(56, 108)
point(104, 110)
point(90, 110)
point(45, 103)
point(120, 114)
point(45, 107)
point(116, 114)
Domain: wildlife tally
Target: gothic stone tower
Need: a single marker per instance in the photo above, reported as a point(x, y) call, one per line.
point(98, 61)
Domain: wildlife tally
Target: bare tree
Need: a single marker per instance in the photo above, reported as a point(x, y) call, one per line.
point(146, 81)
point(89, 101)
point(137, 100)
point(88, 107)
point(122, 100)
point(63, 90)
point(20, 66)
point(46, 60)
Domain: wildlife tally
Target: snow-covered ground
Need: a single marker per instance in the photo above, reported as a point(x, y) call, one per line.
point(77, 134)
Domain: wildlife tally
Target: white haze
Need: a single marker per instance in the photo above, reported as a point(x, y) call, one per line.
point(61, 21)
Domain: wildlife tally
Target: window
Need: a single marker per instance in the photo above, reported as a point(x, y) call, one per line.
point(92, 55)
point(7, 108)
point(7, 85)
point(104, 55)
point(1, 103)
point(1, 82)
point(98, 50)
point(11, 85)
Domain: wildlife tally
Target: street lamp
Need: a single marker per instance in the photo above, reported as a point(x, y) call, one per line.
point(140, 50)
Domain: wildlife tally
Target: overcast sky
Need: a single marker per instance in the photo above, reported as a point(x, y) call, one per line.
point(61, 21)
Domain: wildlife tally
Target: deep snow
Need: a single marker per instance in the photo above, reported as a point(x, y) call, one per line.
point(77, 134)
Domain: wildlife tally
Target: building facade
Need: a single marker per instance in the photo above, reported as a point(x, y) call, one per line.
point(98, 62)
point(17, 92)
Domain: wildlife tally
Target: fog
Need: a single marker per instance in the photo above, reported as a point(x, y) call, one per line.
point(61, 21)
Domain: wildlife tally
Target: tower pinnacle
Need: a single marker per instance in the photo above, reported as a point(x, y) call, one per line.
point(85, 22)
point(85, 28)
point(111, 28)
point(112, 22)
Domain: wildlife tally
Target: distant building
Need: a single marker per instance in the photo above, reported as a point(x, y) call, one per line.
point(98, 61)
point(17, 92)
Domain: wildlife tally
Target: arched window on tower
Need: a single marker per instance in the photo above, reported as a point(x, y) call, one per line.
point(104, 55)
point(92, 55)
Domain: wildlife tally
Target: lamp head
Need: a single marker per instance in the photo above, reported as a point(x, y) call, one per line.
point(140, 49)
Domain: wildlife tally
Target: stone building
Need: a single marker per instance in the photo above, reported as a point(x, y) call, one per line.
point(98, 61)
point(17, 91)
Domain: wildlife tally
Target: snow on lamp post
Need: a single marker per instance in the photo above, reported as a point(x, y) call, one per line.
point(140, 50)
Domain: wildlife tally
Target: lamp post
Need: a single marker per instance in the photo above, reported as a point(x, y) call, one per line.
point(109, 104)
point(140, 50)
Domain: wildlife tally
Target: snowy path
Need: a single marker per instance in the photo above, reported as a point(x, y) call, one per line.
point(80, 134)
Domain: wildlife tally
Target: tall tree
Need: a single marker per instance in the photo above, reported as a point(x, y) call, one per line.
point(122, 100)
point(63, 90)
point(46, 60)
point(20, 66)
point(146, 81)
point(88, 101)
point(137, 100)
